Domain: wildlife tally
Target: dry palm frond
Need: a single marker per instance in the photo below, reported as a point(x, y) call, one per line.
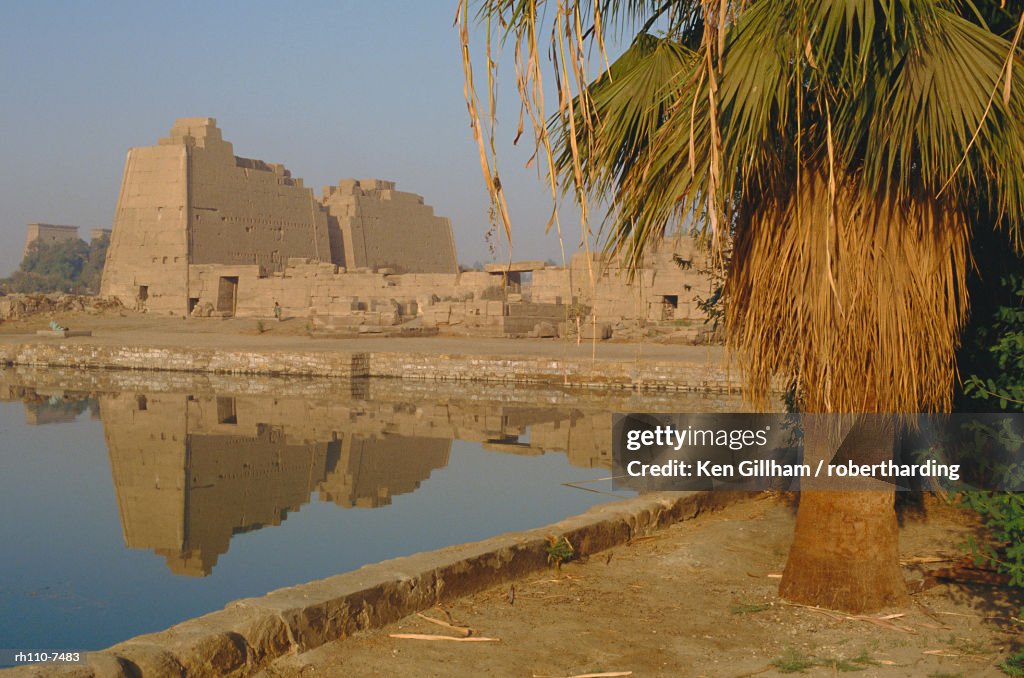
point(488, 162)
point(867, 315)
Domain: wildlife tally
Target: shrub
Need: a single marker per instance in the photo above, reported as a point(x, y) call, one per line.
point(72, 266)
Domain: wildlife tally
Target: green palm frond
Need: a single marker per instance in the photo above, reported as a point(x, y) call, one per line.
point(629, 104)
point(848, 147)
point(947, 122)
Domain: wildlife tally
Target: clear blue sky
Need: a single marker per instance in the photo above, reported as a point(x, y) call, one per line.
point(330, 89)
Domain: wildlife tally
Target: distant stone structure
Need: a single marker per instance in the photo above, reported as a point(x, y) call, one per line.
point(192, 214)
point(52, 234)
point(666, 287)
point(99, 233)
point(201, 232)
point(371, 225)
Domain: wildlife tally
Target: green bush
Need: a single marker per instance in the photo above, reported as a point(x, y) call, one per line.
point(72, 266)
point(993, 359)
point(1003, 340)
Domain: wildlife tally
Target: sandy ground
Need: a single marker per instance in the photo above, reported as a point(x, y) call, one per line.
point(131, 328)
point(698, 599)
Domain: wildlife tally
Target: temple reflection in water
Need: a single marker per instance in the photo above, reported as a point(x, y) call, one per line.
point(197, 459)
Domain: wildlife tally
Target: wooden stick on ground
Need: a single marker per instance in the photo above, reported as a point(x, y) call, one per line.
point(428, 636)
point(464, 630)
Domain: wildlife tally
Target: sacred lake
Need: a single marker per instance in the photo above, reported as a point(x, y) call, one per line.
point(135, 500)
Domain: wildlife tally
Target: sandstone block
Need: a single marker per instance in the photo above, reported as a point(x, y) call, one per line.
point(601, 332)
point(544, 330)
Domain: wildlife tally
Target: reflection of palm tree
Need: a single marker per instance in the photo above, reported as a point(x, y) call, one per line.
point(847, 149)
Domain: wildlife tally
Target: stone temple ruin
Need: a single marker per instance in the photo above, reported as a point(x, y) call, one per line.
point(52, 234)
point(193, 221)
point(200, 231)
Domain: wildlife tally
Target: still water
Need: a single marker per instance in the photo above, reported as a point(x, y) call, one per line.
point(133, 501)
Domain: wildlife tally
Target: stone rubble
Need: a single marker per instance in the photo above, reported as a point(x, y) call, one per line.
point(22, 306)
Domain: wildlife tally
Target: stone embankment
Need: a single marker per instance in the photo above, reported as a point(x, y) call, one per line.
point(571, 371)
point(179, 359)
point(250, 633)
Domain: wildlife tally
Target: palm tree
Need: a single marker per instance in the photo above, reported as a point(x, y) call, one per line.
point(846, 149)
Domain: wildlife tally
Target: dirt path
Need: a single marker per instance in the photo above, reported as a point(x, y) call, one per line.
point(698, 599)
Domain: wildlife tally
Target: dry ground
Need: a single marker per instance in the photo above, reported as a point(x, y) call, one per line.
point(698, 599)
point(125, 327)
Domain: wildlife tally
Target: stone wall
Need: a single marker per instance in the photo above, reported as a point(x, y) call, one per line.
point(200, 231)
point(191, 201)
point(48, 234)
point(328, 293)
point(665, 288)
point(246, 211)
point(147, 262)
point(204, 291)
point(344, 364)
point(610, 374)
point(99, 233)
point(375, 226)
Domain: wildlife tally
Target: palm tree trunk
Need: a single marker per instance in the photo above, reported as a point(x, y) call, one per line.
point(845, 552)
